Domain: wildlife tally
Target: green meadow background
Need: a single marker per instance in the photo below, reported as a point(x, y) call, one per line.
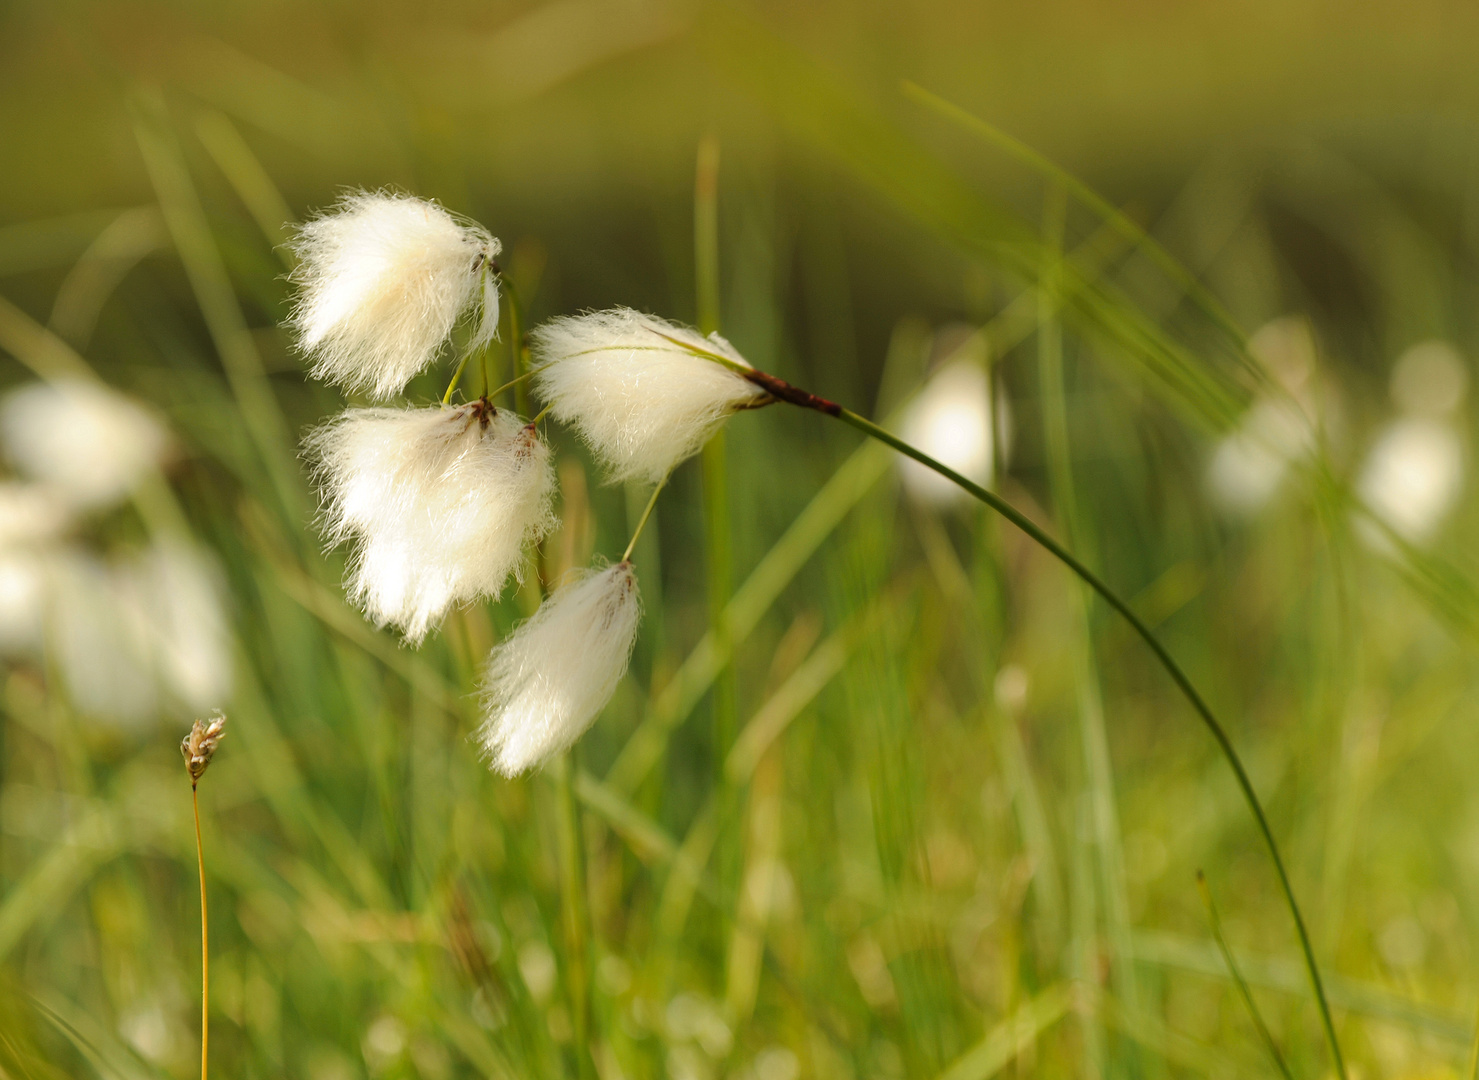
point(885, 794)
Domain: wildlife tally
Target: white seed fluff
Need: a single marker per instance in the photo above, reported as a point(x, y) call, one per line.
point(383, 280)
point(438, 502)
point(88, 443)
point(642, 402)
point(545, 684)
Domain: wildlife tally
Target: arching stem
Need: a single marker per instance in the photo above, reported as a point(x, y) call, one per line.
point(781, 390)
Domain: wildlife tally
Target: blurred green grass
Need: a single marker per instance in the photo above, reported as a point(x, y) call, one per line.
point(925, 866)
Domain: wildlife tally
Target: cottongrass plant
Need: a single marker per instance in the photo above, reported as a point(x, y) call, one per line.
point(634, 426)
point(645, 394)
point(439, 502)
point(384, 280)
point(198, 748)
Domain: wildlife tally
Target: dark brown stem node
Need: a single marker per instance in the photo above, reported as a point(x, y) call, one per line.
point(781, 390)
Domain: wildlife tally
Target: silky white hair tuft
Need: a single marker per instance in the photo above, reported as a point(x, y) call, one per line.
point(545, 684)
point(634, 388)
point(383, 280)
point(439, 503)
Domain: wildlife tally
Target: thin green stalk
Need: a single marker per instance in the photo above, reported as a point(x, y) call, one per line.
point(718, 556)
point(784, 392)
point(642, 522)
point(518, 379)
point(456, 377)
point(1237, 977)
point(574, 915)
point(1103, 828)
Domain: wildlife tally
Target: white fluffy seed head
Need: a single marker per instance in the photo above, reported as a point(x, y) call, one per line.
point(88, 443)
point(636, 389)
point(383, 280)
point(439, 504)
point(546, 683)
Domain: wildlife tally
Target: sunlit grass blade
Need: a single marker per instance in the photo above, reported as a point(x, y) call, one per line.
point(37, 347)
point(1099, 770)
point(1012, 1037)
point(111, 1059)
point(250, 180)
point(1176, 952)
point(129, 237)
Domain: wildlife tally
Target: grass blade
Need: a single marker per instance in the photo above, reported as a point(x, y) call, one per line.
point(1247, 995)
point(1012, 1037)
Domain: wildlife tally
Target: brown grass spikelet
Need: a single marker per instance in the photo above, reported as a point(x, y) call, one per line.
point(199, 746)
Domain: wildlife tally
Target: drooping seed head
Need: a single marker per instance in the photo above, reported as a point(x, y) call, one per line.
point(383, 280)
point(545, 684)
point(438, 503)
point(639, 390)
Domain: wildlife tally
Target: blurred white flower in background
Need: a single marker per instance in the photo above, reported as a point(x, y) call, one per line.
point(951, 421)
point(179, 589)
point(1430, 379)
point(1415, 471)
point(140, 632)
point(128, 633)
point(98, 639)
point(90, 444)
point(32, 519)
point(1250, 464)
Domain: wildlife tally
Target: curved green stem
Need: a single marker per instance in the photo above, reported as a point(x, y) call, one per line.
point(1179, 677)
point(456, 377)
point(516, 380)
